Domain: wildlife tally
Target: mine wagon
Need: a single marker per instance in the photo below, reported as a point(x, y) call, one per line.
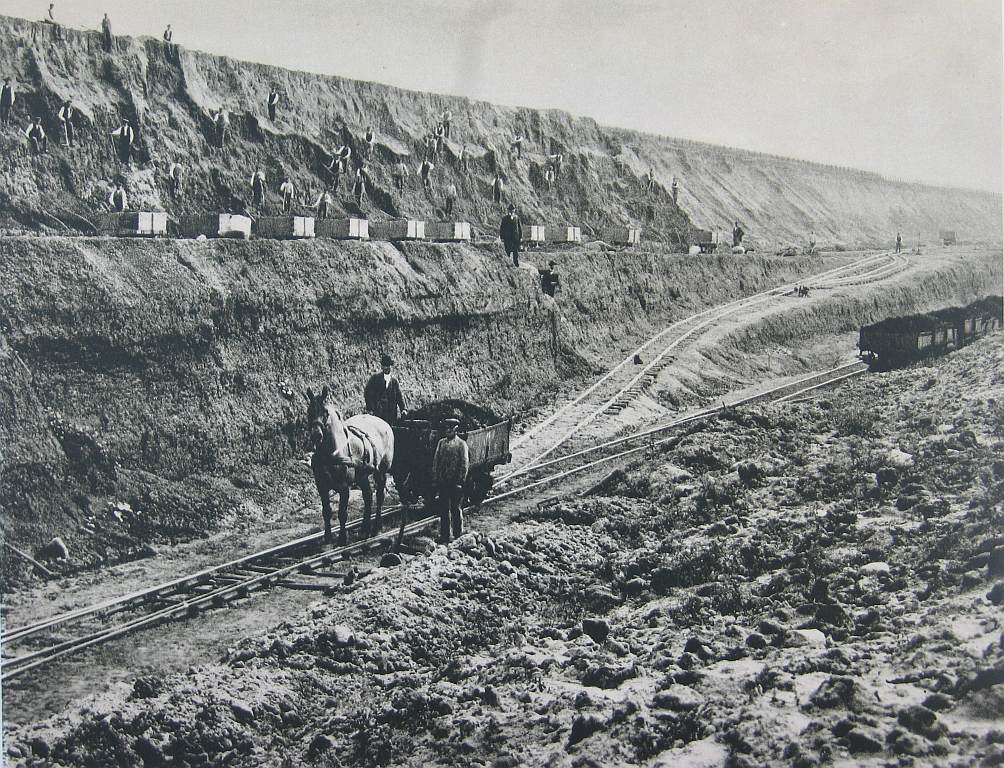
point(415, 442)
point(947, 236)
point(133, 224)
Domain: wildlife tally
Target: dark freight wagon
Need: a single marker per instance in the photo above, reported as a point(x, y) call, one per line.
point(902, 340)
point(415, 442)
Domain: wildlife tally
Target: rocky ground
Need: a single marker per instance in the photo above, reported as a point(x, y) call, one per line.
point(813, 584)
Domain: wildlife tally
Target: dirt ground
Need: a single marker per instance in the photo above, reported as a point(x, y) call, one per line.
point(798, 585)
point(771, 594)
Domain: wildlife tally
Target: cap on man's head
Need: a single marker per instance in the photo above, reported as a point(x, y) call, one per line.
point(552, 263)
point(385, 361)
point(512, 208)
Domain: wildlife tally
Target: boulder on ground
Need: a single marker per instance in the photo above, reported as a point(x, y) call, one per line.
point(54, 550)
point(597, 629)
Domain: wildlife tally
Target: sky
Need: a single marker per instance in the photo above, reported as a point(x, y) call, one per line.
point(908, 88)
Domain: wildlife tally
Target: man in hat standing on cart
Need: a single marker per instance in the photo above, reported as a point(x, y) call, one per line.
point(449, 473)
point(383, 393)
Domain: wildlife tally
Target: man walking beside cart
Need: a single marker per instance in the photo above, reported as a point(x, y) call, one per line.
point(449, 473)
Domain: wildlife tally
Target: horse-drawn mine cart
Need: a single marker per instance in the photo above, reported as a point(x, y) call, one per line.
point(415, 444)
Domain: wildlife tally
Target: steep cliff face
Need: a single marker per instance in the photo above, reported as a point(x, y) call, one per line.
point(172, 93)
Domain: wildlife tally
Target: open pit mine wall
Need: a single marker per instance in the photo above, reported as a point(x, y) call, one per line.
point(173, 92)
point(125, 365)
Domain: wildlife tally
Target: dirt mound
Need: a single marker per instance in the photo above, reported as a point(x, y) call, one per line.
point(470, 416)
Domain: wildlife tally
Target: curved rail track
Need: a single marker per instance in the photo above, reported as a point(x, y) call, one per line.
point(614, 390)
point(216, 587)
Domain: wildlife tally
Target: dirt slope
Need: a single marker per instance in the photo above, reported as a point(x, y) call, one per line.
point(172, 92)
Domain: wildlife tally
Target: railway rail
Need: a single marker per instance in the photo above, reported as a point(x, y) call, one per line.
point(614, 390)
point(216, 587)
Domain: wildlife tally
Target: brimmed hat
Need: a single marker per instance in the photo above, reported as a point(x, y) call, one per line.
point(511, 207)
point(552, 263)
point(451, 422)
point(386, 360)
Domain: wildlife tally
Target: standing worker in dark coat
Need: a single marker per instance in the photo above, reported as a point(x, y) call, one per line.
point(125, 136)
point(737, 235)
point(106, 34)
point(449, 473)
point(6, 102)
point(511, 232)
point(168, 35)
point(118, 199)
point(425, 171)
point(273, 102)
point(549, 280)
point(899, 242)
point(258, 190)
point(675, 189)
point(383, 393)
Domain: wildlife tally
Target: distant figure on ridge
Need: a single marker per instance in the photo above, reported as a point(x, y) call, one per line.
point(650, 180)
point(7, 98)
point(174, 173)
point(549, 177)
point(675, 189)
point(498, 188)
point(286, 192)
point(425, 171)
point(516, 147)
point(125, 136)
point(273, 102)
point(359, 184)
point(899, 243)
point(222, 124)
point(258, 190)
point(511, 232)
point(451, 196)
point(440, 134)
point(401, 172)
point(118, 199)
point(737, 235)
point(106, 34)
point(447, 117)
point(556, 160)
point(36, 136)
point(168, 35)
point(323, 203)
point(66, 114)
point(370, 140)
point(462, 159)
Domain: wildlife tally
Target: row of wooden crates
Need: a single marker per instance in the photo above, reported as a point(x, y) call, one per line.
point(154, 224)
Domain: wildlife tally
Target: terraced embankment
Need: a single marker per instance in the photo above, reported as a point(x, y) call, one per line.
point(171, 93)
point(168, 375)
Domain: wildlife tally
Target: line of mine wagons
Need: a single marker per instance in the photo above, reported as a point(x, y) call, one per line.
point(155, 224)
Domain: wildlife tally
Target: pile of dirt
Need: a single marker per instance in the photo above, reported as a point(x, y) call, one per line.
point(469, 415)
point(783, 586)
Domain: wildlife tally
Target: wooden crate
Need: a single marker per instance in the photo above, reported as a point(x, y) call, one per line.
point(623, 236)
point(216, 225)
point(133, 223)
point(403, 229)
point(448, 231)
point(564, 234)
point(534, 233)
point(343, 229)
point(284, 227)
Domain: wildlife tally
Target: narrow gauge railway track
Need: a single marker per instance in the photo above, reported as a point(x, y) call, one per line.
point(897, 263)
point(619, 386)
point(217, 586)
